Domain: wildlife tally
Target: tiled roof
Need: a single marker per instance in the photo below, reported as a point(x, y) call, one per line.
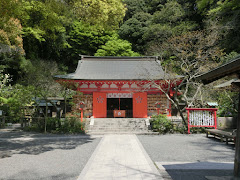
point(117, 68)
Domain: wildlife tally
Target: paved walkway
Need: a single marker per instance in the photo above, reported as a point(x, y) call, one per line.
point(120, 157)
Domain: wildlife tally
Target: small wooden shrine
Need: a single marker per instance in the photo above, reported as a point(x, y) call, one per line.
point(121, 86)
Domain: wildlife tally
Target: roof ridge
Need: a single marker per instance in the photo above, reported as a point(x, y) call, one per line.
point(122, 58)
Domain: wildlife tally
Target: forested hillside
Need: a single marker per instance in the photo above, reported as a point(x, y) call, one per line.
point(35, 34)
point(59, 31)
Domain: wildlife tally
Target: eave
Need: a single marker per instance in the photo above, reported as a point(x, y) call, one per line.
point(230, 68)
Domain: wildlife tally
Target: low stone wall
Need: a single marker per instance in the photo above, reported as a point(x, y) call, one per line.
point(177, 120)
point(226, 123)
point(222, 122)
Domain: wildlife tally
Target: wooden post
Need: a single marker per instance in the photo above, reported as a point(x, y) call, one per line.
point(188, 122)
point(81, 115)
point(3, 121)
point(81, 109)
point(237, 145)
point(215, 119)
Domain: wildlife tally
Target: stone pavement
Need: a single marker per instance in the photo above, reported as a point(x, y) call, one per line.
point(120, 157)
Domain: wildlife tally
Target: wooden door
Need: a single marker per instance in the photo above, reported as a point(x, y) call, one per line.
point(99, 105)
point(140, 105)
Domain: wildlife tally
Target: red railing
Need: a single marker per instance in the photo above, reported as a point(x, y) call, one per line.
point(202, 117)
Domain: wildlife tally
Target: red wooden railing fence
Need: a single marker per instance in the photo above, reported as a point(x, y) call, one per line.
point(202, 117)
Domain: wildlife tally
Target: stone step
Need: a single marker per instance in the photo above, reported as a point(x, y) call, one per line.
point(114, 120)
point(119, 122)
point(117, 125)
point(111, 124)
point(114, 132)
point(123, 129)
point(119, 130)
point(120, 125)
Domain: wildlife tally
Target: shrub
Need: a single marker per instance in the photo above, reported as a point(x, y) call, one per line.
point(33, 127)
point(161, 124)
point(71, 125)
point(56, 125)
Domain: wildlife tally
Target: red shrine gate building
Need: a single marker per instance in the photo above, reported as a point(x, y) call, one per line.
point(120, 86)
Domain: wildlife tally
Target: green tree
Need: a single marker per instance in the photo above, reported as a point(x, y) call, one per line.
point(116, 47)
point(106, 14)
point(134, 28)
point(135, 7)
point(148, 27)
point(228, 14)
point(14, 98)
point(11, 42)
point(170, 21)
point(41, 77)
point(44, 32)
point(4, 87)
point(189, 55)
point(228, 103)
point(86, 39)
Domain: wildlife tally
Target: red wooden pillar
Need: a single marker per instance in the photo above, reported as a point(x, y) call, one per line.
point(188, 115)
point(215, 119)
point(99, 105)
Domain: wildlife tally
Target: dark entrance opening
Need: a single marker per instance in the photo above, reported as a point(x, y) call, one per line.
point(120, 104)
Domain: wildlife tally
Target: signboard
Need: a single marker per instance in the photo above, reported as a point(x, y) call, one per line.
point(119, 113)
point(202, 117)
point(119, 95)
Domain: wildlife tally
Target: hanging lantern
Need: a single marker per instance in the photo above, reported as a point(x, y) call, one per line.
point(81, 105)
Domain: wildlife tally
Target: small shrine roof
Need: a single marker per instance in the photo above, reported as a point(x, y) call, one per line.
point(117, 68)
point(230, 68)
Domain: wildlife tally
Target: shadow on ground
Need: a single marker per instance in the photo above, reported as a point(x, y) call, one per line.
point(197, 174)
point(17, 142)
point(32, 175)
point(196, 170)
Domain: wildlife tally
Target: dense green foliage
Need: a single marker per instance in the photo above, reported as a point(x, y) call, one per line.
point(227, 12)
point(62, 30)
point(116, 47)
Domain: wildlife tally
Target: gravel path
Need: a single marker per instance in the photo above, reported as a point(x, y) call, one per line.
point(186, 148)
point(177, 149)
point(36, 156)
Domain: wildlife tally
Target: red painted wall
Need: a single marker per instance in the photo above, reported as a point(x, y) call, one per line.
point(99, 105)
point(140, 105)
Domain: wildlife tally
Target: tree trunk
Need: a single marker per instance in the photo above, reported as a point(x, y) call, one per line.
point(180, 111)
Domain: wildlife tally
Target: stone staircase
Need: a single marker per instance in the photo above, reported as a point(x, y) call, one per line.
point(118, 126)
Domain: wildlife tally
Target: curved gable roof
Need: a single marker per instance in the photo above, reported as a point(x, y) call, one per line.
point(117, 68)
